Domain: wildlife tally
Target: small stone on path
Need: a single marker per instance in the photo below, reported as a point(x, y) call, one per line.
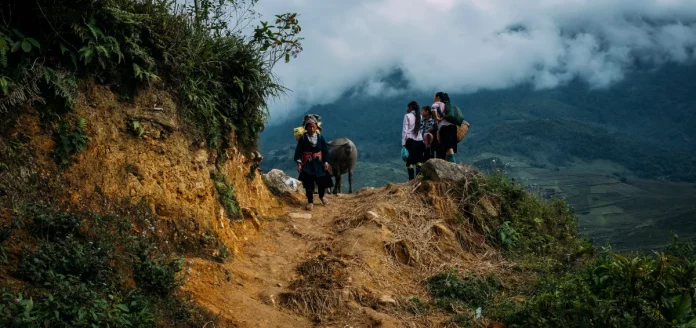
point(300, 216)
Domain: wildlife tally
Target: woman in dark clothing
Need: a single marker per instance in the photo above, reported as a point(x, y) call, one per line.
point(447, 131)
point(312, 157)
point(412, 139)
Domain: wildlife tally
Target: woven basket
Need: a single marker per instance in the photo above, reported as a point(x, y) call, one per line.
point(300, 130)
point(462, 130)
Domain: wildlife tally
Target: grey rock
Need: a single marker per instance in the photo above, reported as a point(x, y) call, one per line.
point(440, 170)
point(279, 183)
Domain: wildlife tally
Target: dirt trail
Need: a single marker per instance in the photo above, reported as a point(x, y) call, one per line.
point(246, 290)
point(355, 263)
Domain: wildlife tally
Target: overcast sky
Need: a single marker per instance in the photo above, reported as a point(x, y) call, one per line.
point(467, 45)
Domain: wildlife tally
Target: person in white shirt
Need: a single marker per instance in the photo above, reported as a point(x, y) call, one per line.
point(446, 131)
point(412, 139)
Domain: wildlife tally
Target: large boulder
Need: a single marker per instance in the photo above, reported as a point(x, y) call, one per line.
point(440, 170)
point(279, 183)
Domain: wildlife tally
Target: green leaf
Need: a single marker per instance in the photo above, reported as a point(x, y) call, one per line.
point(34, 42)
point(287, 58)
point(16, 46)
point(4, 84)
point(122, 307)
point(683, 308)
point(29, 305)
point(26, 46)
point(18, 33)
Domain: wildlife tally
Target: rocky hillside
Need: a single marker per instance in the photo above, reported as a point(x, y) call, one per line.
point(131, 196)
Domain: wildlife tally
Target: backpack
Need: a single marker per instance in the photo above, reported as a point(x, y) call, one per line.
point(453, 114)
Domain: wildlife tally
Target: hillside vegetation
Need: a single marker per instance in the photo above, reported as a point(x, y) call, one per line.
point(124, 126)
point(221, 78)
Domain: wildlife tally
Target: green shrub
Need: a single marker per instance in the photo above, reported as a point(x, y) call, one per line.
point(221, 253)
point(70, 140)
point(507, 235)
point(72, 303)
point(50, 224)
point(87, 261)
point(226, 195)
point(80, 279)
point(157, 275)
point(452, 288)
point(612, 291)
point(221, 77)
point(136, 128)
point(536, 227)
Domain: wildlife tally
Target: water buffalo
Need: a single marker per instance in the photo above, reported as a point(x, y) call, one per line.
point(344, 156)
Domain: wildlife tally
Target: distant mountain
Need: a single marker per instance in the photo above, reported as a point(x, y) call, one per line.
point(646, 123)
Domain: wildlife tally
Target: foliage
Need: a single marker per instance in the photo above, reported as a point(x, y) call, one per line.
point(507, 235)
point(569, 289)
point(136, 128)
point(70, 140)
point(226, 195)
point(221, 253)
point(535, 227)
point(613, 291)
point(223, 79)
point(78, 275)
point(451, 288)
point(156, 274)
point(68, 256)
point(49, 224)
point(72, 303)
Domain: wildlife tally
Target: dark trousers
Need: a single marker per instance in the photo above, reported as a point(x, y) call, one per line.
point(436, 150)
point(308, 184)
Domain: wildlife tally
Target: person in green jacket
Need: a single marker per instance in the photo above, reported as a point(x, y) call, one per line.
point(312, 157)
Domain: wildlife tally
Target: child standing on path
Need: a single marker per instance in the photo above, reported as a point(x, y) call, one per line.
point(429, 131)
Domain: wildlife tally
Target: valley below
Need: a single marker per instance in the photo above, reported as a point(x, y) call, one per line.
point(614, 207)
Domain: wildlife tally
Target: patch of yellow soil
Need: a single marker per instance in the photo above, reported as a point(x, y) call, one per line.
point(163, 168)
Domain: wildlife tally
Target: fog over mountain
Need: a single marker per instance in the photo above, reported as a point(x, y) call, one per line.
point(462, 46)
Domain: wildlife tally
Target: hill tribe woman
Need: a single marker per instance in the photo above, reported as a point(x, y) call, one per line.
point(312, 157)
point(446, 131)
point(412, 139)
point(429, 130)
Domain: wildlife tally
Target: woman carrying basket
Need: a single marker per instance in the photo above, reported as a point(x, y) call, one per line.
point(312, 157)
point(446, 131)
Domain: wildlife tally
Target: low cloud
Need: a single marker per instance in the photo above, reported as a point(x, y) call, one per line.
point(469, 45)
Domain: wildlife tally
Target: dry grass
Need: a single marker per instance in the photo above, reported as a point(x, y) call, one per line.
point(422, 232)
point(320, 291)
point(428, 232)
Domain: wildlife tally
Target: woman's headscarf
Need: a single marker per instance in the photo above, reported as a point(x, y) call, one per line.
point(309, 121)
